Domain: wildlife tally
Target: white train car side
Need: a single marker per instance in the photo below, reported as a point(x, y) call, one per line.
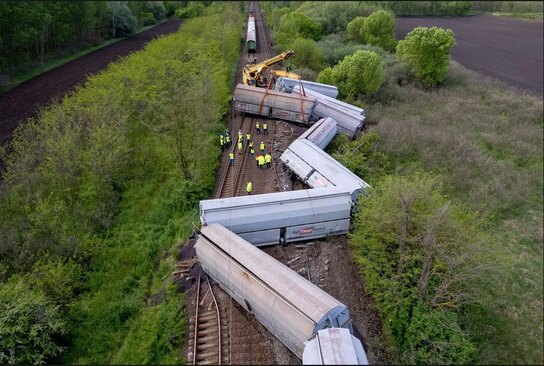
point(289, 306)
point(321, 132)
point(334, 346)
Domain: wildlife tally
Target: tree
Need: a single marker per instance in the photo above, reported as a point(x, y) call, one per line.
point(156, 8)
point(355, 28)
point(427, 51)
point(307, 54)
point(325, 76)
point(297, 24)
point(29, 324)
point(379, 30)
point(123, 22)
point(361, 72)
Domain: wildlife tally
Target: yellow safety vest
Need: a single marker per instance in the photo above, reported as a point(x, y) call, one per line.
point(248, 136)
point(261, 160)
point(231, 156)
point(265, 126)
point(240, 146)
point(222, 142)
point(227, 138)
point(268, 158)
point(251, 144)
point(262, 146)
point(249, 186)
point(257, 124)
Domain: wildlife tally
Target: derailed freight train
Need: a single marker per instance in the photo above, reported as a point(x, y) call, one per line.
point(289, 306)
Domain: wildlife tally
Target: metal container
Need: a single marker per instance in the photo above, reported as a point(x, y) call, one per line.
point(348, 122)
point(344, 105)
point(303, 153)
point(251, 39)
point(321, 132)
point(271, 218)
point(289, 306)
point(334, 346)
point(280, 105)
point(286, 85)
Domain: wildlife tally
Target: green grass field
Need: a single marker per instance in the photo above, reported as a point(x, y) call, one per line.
point(525, 16)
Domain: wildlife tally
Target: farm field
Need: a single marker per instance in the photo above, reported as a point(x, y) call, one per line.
point(25, 100)
point(507, 49)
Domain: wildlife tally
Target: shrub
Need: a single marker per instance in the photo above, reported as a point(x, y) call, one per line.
point(295, 24)
point(148, 19)
point(29, 324)
point(360, 72)
point(123, 22)
point(379, 30)
point(191, 11)
point(417, 250)
point(157, 9)
point(355, 28)
point(426, 50)
point(325, 76)
point(307, 54)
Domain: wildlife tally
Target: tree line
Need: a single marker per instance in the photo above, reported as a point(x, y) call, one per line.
point(34, 31)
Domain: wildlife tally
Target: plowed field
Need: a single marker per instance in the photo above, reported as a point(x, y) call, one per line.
point(24, 100)
point(506, 49)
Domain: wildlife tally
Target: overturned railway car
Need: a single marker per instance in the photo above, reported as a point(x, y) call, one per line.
point(281, 217)
point(321, 133)
point(289, 306)
point(274, 104)
point(319, 170)
point(251, 38)
point(334, 346)
point(286, 85)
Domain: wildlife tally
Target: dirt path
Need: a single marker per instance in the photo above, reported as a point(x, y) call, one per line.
point(24, 100)
point(507, 49)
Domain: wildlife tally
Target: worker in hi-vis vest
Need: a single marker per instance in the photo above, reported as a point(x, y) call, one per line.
point(222, 139)
point(249, 187)
point(265, 128)
point(262, 147)
point(258, 128)
point(227, 141)
point(231, 158)
point(268, 160)
point(261, 162)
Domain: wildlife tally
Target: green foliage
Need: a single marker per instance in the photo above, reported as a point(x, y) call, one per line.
point(191, 11)
point(105, 182)
point(431, 8)
point(334, 16)
point(326, 76)
point(361, 72)
point(307, 54)
point(157, 9)
point(29, 324)
point(379, 30)
point(123, 22)
point(361, 155)
point(427, 51)
point(148, 19)
point(354, 29)
point(417, 250)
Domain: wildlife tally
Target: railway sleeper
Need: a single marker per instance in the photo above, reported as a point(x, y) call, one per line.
point(205, 346)
point(202, 327)
point(207, 338)
point(207, 331)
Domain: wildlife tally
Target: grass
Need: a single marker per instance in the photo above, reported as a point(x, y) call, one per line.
point(525, 16)
point(56, 62)
point(485, 140)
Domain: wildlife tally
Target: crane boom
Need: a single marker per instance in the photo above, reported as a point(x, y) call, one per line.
point(252, 74)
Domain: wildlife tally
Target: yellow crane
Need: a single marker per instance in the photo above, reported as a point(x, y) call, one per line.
point(253, 73)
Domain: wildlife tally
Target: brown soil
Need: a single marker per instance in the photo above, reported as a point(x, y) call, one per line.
point(506, 49)
point(26, 99)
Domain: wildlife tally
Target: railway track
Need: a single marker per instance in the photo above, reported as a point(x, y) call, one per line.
point(205, 345)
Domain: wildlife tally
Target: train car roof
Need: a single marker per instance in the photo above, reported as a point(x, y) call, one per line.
point(303, 295)
point(334, 346)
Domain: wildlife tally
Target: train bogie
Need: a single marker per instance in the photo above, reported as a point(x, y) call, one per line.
point(289, 306)
point(271, 218)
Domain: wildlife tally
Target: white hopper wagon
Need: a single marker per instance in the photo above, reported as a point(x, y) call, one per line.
point(286, 85)
point(289, 306)
point(273, 218)
point(334, 346)
point(319, 170)
point(321, 133)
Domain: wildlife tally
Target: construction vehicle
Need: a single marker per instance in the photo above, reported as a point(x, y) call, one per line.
point(286, 74)
point(253, 74)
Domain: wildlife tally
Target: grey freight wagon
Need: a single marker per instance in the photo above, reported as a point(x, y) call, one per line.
point(289, 306)
point(282, 217)
point(318, 169)
point(321, 132)
point(286, 85)
point(334, 346)
point(273, 104)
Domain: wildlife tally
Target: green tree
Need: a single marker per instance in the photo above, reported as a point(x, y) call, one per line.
point(379, 30)
point(355, 28)
point(325, 76)
point(361, 72)
point(296, 24)
point(307, 54)
point(123, 22)
point(156, 8)
point(29, 324)
point(427, 51)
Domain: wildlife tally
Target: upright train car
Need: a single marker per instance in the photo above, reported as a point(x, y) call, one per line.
point(251, 41)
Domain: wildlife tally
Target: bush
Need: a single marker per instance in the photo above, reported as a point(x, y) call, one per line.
point(355, 28)
point(29, 324)
point(296, 25)
point(191, 11)
point(148, 19)
point(427, 51)
point(123, 22)
point(307, 54)
point(417, 250)
point(360, 72)
point(157, 9)
point(379, 30)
